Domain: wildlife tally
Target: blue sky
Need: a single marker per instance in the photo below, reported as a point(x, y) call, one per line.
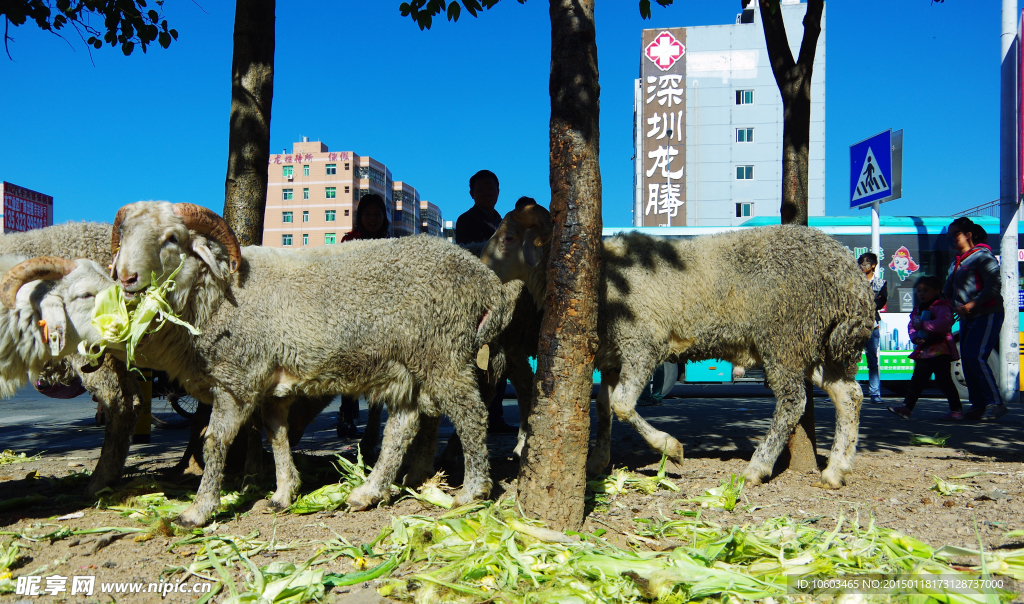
point(438, 105)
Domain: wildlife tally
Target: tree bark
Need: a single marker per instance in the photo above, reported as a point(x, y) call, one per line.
point(252, 93)
point(552, 477)
point(794, 81)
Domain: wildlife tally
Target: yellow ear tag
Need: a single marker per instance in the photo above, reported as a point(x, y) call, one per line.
point(483, 356)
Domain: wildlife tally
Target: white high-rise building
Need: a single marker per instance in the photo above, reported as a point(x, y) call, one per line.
point(708, 123)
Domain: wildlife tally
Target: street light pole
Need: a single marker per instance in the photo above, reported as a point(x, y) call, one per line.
point(1009, 207)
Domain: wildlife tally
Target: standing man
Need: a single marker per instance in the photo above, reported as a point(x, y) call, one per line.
point(868, 262)
point(476, 225)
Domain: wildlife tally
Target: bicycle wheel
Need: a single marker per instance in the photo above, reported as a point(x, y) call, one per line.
point(183, 404)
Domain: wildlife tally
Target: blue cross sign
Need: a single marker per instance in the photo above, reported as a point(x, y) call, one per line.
point(871, 170)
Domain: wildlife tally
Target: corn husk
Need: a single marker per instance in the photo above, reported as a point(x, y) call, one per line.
point(333, 496)
point(939, 440)
point(10, 457)
point(123, 323)
point(723, 496)
point(621, 481)
point(946, 488)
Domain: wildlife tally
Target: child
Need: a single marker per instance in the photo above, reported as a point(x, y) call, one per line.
point(934, 349)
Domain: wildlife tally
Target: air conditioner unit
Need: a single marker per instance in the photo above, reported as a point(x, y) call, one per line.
point(290, 177)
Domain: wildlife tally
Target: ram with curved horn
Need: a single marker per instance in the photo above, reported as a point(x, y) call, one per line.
point(111, 384)
point(282, 327)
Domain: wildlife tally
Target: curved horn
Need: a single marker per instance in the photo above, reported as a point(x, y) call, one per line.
point(33, 269)
point(115, 233)
point(207, 222)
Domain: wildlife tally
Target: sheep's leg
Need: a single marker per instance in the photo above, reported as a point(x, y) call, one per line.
point(371, 435)
point(418, 465)
point(469, 414)
point(275, 417)
point(623, 403)
point(521, 377)
point(252, 431)
point(847, 396)
point(601, 454)
point(119, 392)
point(791, 397)
point(399, 432)
point(227, 418)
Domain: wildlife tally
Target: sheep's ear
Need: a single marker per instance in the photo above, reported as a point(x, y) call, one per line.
point(201, 246)
point(532, 252)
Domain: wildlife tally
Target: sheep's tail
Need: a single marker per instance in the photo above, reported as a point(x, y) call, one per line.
point(499, 313)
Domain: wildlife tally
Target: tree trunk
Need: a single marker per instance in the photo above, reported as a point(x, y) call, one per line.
point(252, 92)
point(552, 478)
point(794, 81)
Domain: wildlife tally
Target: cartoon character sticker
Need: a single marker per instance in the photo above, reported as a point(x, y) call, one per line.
point(903, 264)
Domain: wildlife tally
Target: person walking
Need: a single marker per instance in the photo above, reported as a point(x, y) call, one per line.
point(880, 289)
point(476, 225)
point(370, 222)
point(930, 329)
point(974, 288)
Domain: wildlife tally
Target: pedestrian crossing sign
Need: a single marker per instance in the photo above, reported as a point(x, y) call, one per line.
point(871, 168)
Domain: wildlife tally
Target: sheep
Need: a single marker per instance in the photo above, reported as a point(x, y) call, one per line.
point(400, 320)
point(788, 297)
point(111, 384)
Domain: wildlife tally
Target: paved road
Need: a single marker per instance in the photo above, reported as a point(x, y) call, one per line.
point(709, 420)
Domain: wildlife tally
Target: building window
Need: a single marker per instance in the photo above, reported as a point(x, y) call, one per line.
point(346, 166)
point(743, 210)
point(332, 169)
point(305, 216)
point(286, 194)
point(286, 239)
point(287, 171)
point(329, 215)
point(346, 212)
point(305, 170)
point(331, 192)
point(329, 238)
point(744, 172)
point(744, 97)
point(286, 216)
point(305, 193)
point(346, 188)
point(744, 135)
point(305, 239)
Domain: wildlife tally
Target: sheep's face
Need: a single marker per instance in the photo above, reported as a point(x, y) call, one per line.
point(65, 306)
point(517, 249)
point(152, 239)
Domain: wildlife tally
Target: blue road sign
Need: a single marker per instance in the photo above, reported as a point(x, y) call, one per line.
point(871, 170)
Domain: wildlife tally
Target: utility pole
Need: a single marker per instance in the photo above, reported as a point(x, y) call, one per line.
point(1009, 206)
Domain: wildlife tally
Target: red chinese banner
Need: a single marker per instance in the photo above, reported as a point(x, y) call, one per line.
point(25, 209)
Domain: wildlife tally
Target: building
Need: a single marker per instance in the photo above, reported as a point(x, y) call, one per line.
point(708, 123)
point(430, 219)
point(25, 209)
point(313, 193)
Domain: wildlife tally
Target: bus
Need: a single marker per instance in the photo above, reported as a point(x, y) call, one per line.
point(910, 246)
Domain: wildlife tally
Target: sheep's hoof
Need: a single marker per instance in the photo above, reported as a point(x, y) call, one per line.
point(596, 464)
point(361, 499)
point(277, 506)
point(674, 451)
point(752, 480)
point(829, 483)
point(191, 518)
point(465, 495)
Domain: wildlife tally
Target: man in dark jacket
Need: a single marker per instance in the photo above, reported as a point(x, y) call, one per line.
point(868, 262)
point(476, 225)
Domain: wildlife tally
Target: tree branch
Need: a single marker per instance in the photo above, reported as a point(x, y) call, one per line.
point(779, 54)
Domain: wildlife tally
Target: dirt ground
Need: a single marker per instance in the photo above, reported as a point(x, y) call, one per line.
point(890, 484)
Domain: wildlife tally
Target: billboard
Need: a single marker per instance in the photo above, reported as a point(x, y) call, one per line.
point(662, 127)
point(25, 209)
